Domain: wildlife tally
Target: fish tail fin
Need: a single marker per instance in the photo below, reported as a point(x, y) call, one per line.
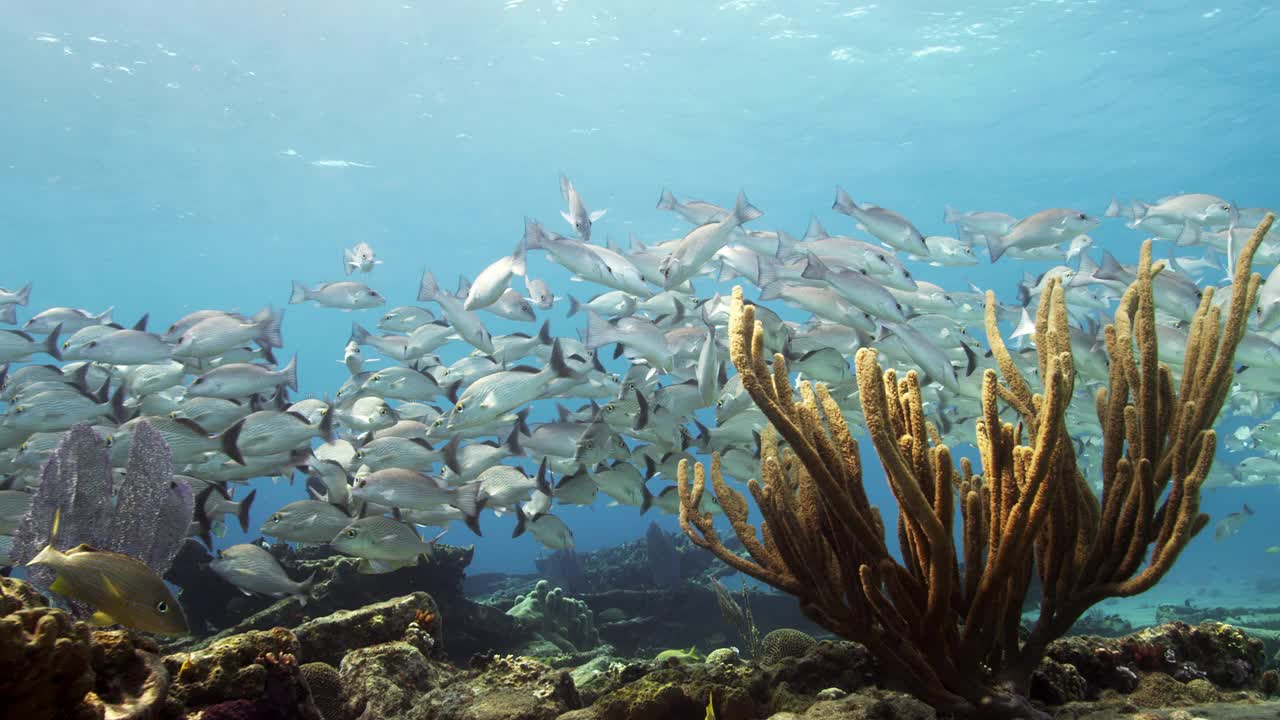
point(359, 335)
point(534, 237)
point(996, 246)
point(540, 480)
point(242, 509)
point(467, 499)
point(202, 518)
point(270, 322)
point(647, 498)
point(348, 261)
point(48, 555)
point(557, 364)
point(667, 201)
point(843, 203)
point(599, 332)
point(51, 343)
point(574, 306)
point(326, 424)
point(291, 373)
point(1113, 209)
point(428, 289)
point(306, 587)
point(518, 257)
point(743, 210)
point(24, 295)
point(786, 244)
point(522, 522)
point(949, 215)
point(299, 294)
point(229, 439)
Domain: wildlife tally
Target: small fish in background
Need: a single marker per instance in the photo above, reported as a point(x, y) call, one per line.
point(577, 214)
point(254, 570)
point(539, 293)
point(359, 258)
point(123, 590)
point(344, 295)
point(1231, 524)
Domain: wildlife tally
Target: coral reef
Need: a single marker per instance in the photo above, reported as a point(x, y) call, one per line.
point(45, 656)
point(229, 669)
point(326, 689)
point(783, 643)
point(327, 639)
point(386, 680)
point(131, 682)
point(560, 623)
point(954, 640)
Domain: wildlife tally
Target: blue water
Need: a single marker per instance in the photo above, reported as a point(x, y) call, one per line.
point(156, 156)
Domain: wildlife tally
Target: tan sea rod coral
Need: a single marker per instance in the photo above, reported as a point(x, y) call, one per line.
point(944, 620)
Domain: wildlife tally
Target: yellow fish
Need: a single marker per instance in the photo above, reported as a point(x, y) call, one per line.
point(123, 590)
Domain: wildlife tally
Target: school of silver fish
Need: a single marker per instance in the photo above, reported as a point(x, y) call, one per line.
point(525, 422)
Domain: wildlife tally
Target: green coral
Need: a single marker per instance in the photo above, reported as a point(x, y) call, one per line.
point(556, 619)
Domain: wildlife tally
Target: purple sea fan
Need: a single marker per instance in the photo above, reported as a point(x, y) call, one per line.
point(75, 481)
point(153, 508)
point(148, 519)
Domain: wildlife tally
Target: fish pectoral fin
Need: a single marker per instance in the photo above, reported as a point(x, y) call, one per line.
point(111, 588)
point(59, 585)
point(102, 619)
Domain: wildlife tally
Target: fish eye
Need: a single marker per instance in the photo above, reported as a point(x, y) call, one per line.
point(350, 533)
point(720, 403)
point(1082, 216)
point(610, 408)
point(1226, 207)
point(92, 344)
point(110, 440)
point(586, 444)
point(383, 410)
point(162, 607)
point(906, 273)
point(19, 409)
point(66, 345)
point(277, 518)
point(198, 381)
point(621, 442)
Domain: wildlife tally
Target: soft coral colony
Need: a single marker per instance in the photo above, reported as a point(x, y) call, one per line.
point(945, 618)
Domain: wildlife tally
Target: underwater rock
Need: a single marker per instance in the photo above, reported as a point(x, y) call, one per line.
point(327, 639)
point(285, 696)
point(1218, 653)
point(1058, 683)
point(340, 586)
point(560, 623)
point(45, 656)
point(386, 681)
point(504, 687)
point(664, 559)
point(867, 705)
point(131, 681)
point(229, 669)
